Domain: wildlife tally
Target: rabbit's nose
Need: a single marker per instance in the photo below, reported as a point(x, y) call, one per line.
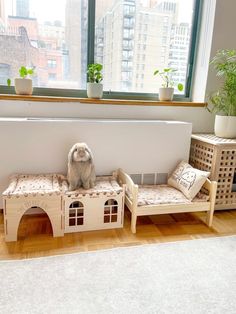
point(81, 153)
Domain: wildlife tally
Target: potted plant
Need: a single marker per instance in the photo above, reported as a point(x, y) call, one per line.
point(23, 84)
point(166, 92)
point(94, 85)
point(223, 101)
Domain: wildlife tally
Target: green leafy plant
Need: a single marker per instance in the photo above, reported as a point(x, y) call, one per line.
point(224, 99)
point(24, 72)
point(94, 73)
point(166, 76)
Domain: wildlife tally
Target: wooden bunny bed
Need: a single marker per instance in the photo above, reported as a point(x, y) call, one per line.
point(162, 199)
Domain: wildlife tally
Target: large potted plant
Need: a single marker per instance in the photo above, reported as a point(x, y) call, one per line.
point(166, 92)
point(23, 84)
point(94, 85)
point(223, 101)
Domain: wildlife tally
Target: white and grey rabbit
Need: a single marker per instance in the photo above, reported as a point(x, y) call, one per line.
point(81, 170)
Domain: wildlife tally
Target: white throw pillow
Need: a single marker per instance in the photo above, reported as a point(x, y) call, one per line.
point(187, 179)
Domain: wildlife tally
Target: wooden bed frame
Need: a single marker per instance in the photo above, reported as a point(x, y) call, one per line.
point(131, 202)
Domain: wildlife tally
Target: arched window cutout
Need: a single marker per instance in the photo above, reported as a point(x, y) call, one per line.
point(110, 211)
point(76, 214)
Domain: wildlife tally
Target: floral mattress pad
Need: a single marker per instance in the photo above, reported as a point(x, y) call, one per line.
point(164, 194)
point(56, 184)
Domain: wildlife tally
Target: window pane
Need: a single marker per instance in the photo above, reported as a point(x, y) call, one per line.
point(134, 38)
point(48, 35)
point(72, 213)
point(106, 219)
point(72, 222)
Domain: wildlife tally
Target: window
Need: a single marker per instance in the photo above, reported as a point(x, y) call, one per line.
point(76, 214)
point(56, 43)
point(161, 21)
point(52, 76)
point(45, 35)
point(52, 63)
point(110, 211)
point(4, 72)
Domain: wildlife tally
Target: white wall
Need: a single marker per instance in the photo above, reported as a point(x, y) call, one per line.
point(204, 50)
point(42, 145)
point(201, 119)
point(224, 36)
point(217, 32)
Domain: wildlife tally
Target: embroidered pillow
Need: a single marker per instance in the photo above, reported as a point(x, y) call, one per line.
point(187, 179)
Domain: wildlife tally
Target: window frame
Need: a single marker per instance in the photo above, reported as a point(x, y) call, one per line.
point(76, 217)
point(111, 215)
point(80, 93)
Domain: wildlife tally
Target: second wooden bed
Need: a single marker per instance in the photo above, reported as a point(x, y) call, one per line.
point(144, 200)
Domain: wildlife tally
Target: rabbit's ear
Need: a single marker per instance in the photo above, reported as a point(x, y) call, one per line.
point(88, 150)
point(71, 152)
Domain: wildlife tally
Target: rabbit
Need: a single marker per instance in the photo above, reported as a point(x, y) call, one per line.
point(81, 170)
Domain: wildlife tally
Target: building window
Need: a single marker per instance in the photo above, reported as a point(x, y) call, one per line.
point(162, 21)
point(110, 211)
point(52, 64)
point(47, 38)
point(59, 40)
point(52, 76)
point(76, 214)
point(5, 70)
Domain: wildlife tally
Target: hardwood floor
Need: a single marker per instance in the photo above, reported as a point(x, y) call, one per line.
point(35, 234)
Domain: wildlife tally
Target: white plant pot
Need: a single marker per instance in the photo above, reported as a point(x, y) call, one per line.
point(94, 90)
point(23, 86)
point(166, 93)
point(225, 126)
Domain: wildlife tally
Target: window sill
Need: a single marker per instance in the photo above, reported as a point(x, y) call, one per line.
point(103, 101)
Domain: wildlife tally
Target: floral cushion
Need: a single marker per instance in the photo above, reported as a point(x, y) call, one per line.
point(57, 184)
point(34, 184)
point(164, 194)
point(103, 184)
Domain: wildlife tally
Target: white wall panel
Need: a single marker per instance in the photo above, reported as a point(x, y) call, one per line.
point(31, 145)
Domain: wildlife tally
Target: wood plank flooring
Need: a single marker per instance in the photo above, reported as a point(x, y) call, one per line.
point(35, 234)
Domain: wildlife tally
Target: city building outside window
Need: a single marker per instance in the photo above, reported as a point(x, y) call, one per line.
point(52, 63)
point(122, 33)
point(52, 76)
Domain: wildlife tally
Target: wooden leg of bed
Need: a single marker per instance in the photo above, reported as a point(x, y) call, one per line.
point(133, 223)
point(210, 213)
point(209, 218)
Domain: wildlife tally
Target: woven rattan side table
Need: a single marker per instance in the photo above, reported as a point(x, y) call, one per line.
point(217, 155)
